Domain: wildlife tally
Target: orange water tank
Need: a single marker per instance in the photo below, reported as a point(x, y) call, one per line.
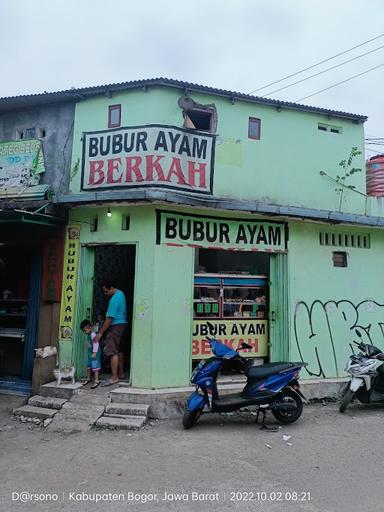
point(375, 176)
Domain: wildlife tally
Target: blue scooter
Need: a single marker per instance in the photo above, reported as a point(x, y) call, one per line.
point(272, 386)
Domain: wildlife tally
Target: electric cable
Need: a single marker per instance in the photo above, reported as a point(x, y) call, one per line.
point(324, 71)
point(339, 83)
point(317, 64)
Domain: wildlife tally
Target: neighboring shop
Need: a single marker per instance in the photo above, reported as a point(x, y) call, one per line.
point(35, 149)
point(30, 265)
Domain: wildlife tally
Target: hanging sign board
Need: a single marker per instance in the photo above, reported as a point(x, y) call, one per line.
point(149, 155)
point(70, 269)
point(232, 333)
point(220, 233)
point(21, 162)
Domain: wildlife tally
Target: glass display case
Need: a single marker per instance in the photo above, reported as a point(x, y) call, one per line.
point(229, 297)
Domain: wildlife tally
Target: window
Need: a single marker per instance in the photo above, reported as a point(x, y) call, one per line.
point(329, 128)
point(199, 119)
point(254, 126)
point(125, 222)
point(337, 239)
point(94, 224)
point(340, 259)
point(19, 135)
point(41, 133)
point(114, 116)
point(30, 133)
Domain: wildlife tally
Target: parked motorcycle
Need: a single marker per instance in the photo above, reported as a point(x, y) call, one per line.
point(367, 371)
point(272, 386)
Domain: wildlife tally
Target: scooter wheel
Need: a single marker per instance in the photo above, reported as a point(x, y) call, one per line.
point(288, 396)
point(190, 418)
point(346, 400)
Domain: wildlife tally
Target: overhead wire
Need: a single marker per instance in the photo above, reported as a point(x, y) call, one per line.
point(317, 63)
point(339, 83)
point(324, 71)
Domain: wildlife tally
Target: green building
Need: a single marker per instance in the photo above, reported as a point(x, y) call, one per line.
point(210, 205)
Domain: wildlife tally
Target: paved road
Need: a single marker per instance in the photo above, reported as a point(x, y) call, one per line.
point(334, 463)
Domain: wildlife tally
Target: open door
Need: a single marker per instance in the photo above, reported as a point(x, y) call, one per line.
point(279, 308)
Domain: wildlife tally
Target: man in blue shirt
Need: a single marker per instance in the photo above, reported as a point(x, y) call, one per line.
point(115, 326)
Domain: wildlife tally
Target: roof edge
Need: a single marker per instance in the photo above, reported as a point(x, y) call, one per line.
point(82, 93)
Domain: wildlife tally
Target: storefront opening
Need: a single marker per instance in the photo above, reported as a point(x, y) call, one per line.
point(231, 291)
point(15, 279)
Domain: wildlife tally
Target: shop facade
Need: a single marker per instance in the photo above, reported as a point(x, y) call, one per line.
point(35, 145)
point(211, 206)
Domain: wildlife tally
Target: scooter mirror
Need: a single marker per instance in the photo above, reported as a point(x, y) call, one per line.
point(245, 345)
point(358, 333)
point(211, 328)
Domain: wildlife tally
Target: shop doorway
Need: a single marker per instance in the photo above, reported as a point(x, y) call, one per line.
point(117, 263)
point(231, 291)
point(20, 274)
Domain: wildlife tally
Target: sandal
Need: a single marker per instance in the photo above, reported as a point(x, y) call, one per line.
point(109, 383)
point(95, 385)
point(85, 382)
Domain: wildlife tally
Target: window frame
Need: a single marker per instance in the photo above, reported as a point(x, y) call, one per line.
point(112, 108)
point(340, 259)
point(252, 119)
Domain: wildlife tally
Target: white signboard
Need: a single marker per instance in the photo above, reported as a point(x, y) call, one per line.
point(151, 155)
point(21, 162)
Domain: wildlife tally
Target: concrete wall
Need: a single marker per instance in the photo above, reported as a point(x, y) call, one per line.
point(329, 303)
point(281, 168)
point(57, 121)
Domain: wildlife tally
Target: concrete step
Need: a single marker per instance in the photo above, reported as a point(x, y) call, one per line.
point(34, 412)
point(123, 423)
point(127, 409)
point(47, 402)
point(63, 391)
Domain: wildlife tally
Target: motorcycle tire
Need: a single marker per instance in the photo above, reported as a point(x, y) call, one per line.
point(346, 400)
point(289, 417)
point(190, 418)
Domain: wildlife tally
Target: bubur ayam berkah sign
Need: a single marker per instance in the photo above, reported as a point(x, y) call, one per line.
point(150, 155)
point(180, 229)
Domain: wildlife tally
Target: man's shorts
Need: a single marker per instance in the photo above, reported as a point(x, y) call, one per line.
point(115, 339)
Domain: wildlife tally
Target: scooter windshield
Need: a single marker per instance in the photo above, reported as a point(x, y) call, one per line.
point(221, 350)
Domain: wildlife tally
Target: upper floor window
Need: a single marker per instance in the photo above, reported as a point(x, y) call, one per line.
point(114, 116)
point(254, 128)
point(202, 119)
point(329, 128)
point(30, 133)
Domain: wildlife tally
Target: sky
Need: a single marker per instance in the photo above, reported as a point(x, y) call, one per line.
point(239, 45)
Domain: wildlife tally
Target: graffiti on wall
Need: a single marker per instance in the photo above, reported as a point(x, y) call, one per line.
point(324, 332)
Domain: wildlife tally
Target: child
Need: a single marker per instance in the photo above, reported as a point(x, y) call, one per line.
point(94, 351)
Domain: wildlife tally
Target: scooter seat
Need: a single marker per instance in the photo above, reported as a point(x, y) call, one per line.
point(266, 370)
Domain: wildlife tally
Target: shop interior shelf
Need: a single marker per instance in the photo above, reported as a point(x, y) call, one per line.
point(15, 301)
point(18, 315)
point(11, 332)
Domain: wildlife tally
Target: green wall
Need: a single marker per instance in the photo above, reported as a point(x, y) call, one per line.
point(328, 303)
point(281, 168)
point(162, 315)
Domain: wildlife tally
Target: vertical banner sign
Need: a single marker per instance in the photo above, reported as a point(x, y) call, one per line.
point(70, 268)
